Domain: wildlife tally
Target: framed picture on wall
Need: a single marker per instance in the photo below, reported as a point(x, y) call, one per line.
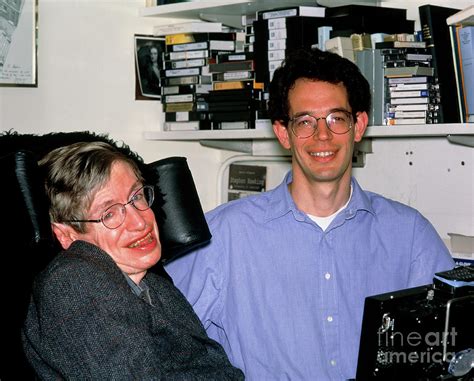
point(148, 63)
point(18, 43)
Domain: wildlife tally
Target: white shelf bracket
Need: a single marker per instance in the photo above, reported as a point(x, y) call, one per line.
point(234, 21)
point(464, 140)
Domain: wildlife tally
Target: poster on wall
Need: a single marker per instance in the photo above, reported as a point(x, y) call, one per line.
point(18, 39)
point(148, 62)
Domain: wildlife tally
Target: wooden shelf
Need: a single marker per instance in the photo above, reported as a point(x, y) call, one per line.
point(264, 131)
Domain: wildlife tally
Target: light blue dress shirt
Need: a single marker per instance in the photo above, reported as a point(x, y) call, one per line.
point(284, 298)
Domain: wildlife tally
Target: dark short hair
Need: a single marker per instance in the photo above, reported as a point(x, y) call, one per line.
point(317, 65)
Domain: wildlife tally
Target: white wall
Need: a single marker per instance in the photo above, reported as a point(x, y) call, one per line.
point(86, 82)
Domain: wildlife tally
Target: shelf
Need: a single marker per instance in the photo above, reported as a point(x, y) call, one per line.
point(420, 130)
point(264, 131)
point(216, 10)
point(195, 9)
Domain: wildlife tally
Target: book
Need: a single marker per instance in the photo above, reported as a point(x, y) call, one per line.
point(466, 42)
point(276, 34)
point(409, 93)
point(182, 126)
point(366, 10)
point(182, 64)
point(187, 80)
point(403, 101)
point(234, 116)
point(186, 55)
point(361, 41)
point(185, 38)
point(185, 106)
point(186, 89)
point(412, 86)
point(299, 10)
point(178, 98)
point(231, 57)
point(406, 54)
point(276, 23)
point(234, 85)
point(187, 27)
point(408, 71)
point(420, 79)
point(233, 76)
point(240, 125)
point(276, 55)
point(345, 26)
point(414, 107)
point(228, 45)
point(231, 66)
point(232, 107)
point(400, 44)
point(185, 116)
point(409, 114)
point(235, 95)
point(394, 121)
point(341, 46)
point(463, 17)
point(181, 72)
point(301, 31)
point(436, 34)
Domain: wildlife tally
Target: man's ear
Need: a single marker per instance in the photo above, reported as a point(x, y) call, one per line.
point(65, 234)
point(360, 125)
point(282, 134)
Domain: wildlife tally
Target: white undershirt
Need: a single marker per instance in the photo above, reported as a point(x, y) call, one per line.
point(324, 222)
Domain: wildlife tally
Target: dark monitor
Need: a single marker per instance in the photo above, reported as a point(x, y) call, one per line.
point(422, 333)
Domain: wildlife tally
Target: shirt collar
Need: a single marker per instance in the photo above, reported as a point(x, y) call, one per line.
point(282, 203)
point(141, 290)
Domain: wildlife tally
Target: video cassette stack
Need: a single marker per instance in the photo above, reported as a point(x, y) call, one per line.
point(411, 89)
point(186, 78)
point(233, 71)
point(235, 109)
point(249, 32)
point(279, 31)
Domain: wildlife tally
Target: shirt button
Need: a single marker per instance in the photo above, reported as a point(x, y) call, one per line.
point(327, 276)
point(329, 319)
point(333, 362)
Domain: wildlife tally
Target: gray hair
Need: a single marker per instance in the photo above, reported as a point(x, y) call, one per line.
point(73, 175)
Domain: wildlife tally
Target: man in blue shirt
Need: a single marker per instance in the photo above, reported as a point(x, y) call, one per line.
point(282, 284)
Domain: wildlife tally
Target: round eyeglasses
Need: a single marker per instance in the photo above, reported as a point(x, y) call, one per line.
point(114, 215)
point(338, 122)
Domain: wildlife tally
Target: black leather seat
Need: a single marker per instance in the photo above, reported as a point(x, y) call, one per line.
point(27, 240)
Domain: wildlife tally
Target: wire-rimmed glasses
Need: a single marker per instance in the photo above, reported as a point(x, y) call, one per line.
point(338, 122)
point(114, 215)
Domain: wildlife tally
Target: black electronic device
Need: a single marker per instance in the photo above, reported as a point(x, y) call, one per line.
point(422, 333)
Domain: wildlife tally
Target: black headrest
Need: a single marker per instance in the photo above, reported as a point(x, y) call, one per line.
point(25, 205)
point(178, 210)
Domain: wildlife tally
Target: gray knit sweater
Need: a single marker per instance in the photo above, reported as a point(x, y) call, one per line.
point(85, 323)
